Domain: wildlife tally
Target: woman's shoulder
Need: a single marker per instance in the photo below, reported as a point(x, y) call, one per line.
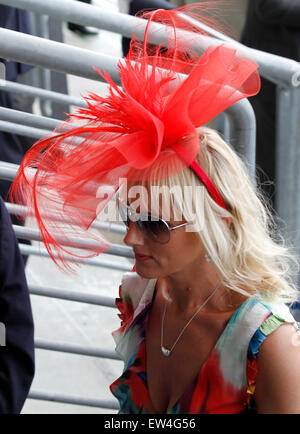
point(276, 346)
point(247, 329)
point(257, 307)
point(252, 322)
point(276, 314)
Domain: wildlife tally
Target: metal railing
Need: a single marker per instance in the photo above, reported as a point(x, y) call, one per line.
point(48, 95)
point(285, 74)
point(72, 60)
point(8, 172)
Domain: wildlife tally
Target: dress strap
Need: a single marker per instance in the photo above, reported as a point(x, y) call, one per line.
point(136, 295)
point(234, 342)
point(278, 314)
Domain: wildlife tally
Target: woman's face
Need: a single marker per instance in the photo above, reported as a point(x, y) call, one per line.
point(154, 260)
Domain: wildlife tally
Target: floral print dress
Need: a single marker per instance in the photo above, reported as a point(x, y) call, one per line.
point(226, 381)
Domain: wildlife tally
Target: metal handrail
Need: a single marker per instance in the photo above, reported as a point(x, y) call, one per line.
point(57, 56)
point(81, 297)
point(71, 399)
point(279, 69)
point(77, 61)
point(28, 119)
point(22, 210)
point(12, 128)
point(60, 98)
point(64, 347)
point(28, 250)
point(242, 122)
point(26, 233)
point(61, 57)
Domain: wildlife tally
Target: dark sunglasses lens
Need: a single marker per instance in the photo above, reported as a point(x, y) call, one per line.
point(157, 230)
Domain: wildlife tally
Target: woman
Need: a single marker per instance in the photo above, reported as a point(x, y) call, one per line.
point(198, 308)
point(210, 283)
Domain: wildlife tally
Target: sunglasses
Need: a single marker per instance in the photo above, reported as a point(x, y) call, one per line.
point(154, 228)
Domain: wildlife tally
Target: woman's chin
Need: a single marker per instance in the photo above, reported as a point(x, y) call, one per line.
point(144, 271)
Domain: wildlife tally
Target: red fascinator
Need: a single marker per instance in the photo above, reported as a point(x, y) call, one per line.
point(167, 92)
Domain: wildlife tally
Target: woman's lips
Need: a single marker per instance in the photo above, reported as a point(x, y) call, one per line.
point(142, 257)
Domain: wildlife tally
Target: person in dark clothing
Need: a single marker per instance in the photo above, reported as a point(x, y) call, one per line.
point(137, 5)
point(83, 30)
point(272, 26)
point(17, 356)
point(12, 146)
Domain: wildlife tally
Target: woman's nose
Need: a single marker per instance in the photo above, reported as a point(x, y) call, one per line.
point(133, 236)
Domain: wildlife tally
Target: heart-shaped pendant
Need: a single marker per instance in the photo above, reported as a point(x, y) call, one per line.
point(165, 351)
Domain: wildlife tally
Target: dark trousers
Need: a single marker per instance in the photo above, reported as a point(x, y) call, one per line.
point(12, 151)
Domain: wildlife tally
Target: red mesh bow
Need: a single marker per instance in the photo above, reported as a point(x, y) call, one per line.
point(156, 113)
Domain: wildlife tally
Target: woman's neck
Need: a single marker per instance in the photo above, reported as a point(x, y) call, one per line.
point(188, 289)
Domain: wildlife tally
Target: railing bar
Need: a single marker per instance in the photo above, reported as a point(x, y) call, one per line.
point(35, 128)
point(72, 399)
point(76, 296)
point(28, 119)
point(57, 97)
point(26, 233)
point(28, 250)
point(278, 69)
point(43, 344)
point(23, 211)
point(35, 133)
point(57, 56)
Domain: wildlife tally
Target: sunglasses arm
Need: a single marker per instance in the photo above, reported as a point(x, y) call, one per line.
point(179, 226)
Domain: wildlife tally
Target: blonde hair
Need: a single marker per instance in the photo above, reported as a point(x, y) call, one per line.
point(250, 254)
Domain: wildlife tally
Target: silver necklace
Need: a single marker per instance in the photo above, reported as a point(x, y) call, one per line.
point(166, 351)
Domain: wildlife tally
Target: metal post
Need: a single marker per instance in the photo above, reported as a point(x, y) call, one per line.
point(243, 133)
point(44, 75)
point(222, 125)
point(288, 162)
